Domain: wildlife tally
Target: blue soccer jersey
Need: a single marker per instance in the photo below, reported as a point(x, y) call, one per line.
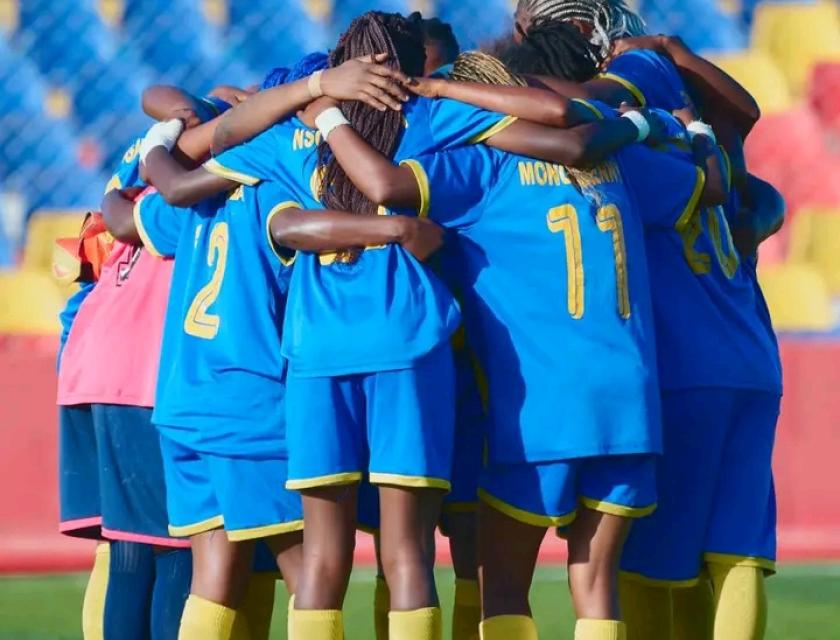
point(221, 378)
point(556, 294)
point(386, 310)
point(652, 79)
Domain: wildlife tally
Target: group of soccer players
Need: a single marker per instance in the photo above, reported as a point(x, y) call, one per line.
point(492, 292)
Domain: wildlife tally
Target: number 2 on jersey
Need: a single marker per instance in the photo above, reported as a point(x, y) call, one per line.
point(199, 322)
point(564, 219)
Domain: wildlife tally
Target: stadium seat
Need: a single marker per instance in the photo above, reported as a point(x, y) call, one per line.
point(789, 150)
point(815, 239)
point(44, 228)
point(798, 35)
point(759, 73)
point(31, 303)
point(824, 94)
point(797, 296)
point(9, 15)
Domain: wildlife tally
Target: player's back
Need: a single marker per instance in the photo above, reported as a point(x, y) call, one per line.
point(221, 373)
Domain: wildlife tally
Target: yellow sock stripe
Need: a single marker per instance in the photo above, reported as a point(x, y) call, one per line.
point(588, 629)
point(508, 628)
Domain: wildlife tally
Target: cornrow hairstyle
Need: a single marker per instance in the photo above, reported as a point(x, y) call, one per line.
point(476, 66)
point(370, 33)
point(554, 48)
point(610, 19)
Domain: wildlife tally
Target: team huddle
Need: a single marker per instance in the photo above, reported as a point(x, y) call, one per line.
point(401, 288)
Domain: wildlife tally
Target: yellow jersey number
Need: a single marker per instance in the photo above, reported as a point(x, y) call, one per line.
point(199, 322)
point(726, 255)
point(564, 219)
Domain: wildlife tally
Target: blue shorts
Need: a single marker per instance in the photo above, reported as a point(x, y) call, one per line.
point(78, 473)
point(716, 496)
point(131, 476)
point(395, 426)
point(547, 494)
point(245, 497)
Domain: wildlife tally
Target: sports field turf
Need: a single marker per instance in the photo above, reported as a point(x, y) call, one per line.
point(804, 605)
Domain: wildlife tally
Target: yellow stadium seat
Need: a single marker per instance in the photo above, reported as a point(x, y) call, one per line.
point(798, 297)
point(111, 12)
point(31, 303)
point(818, 244)
point(44, 228)
point(759, 73)
point(797, 36)
point(319, 10)
point(9, 15)
point(216, 12)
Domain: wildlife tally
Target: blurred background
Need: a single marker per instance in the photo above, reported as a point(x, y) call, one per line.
point(71, 75)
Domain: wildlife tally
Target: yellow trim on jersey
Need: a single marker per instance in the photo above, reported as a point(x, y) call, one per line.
point(520, 515)
point(350, 477)
point(217, 169)
point(414, 482)
point(589, 106)
point(500, 126)
point(740, 561)
point(632, 88)
point(289, 204)
point(655, 582)
point(422, 184)
point(238, 535)
point(727, 162)
point(691, 207)
point(141, 230)
point(113, 183)
point(617, 509)
point(216, 522)
point(460, 507)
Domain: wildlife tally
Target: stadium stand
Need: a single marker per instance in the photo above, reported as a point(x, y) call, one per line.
point(799, 297)
point(31, 303)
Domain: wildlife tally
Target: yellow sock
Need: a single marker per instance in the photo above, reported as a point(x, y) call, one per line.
point(381, 607)
point(740, 602)
point(258, 605)
point(420, 624)
point(466, 614)
point(508, 628)
point(646, 610)
point(694, 611)
point(588, 629)
point(311, 624)
point(205, 620)
point(93, 607)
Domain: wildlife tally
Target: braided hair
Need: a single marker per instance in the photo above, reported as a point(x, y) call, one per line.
point(610, 19)
point(476, 66)
point(554, 48)
point(370, 33)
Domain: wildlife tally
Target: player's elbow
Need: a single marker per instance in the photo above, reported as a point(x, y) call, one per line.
point(577, 152)
point(284, 228)
point(556, 112)
point(714, 193)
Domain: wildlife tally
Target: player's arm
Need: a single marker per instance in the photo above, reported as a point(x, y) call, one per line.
point(182, 187)
point(320, 231)
point(580, 146)
point(706, 155)
point(118, 214)
point(193, 146)
point(716, 88)
point(761, 216)
point(531, 103)
point(364, 79)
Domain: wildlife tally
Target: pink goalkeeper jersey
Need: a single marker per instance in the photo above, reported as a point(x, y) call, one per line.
point(112, 353)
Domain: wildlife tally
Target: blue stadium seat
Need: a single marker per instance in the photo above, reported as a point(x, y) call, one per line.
point(703, 25)
point(345, 11)
point(477, 22)
point(23, 88)
point(267, 36)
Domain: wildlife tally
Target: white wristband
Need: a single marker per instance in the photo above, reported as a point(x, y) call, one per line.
point(641, 123)
point(314, 84)
point(162, 134)
point(329, 120)
point(700, 128)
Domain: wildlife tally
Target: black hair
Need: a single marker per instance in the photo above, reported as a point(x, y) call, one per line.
point(554, 48)
point(440, 32)
point(370, 33)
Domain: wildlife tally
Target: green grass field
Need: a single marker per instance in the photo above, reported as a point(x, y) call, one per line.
point(804, 605)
